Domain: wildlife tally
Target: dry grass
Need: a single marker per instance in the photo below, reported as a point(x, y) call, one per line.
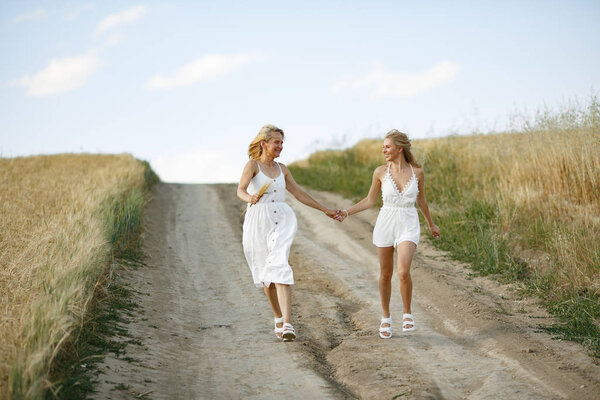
point(53, 248)
point(545, 181)
point(523, 205)
point(550, 178)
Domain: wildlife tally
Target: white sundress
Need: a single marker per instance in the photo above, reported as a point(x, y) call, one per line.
point(398, 219)
point(268, 232)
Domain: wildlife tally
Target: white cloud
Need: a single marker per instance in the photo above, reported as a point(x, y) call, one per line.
point(198, 166)
point(113, 40)
point(31, 15)
point(383, 83)
point(115, 20)
point(61, 75)
point(202, 69)
point(74, 13)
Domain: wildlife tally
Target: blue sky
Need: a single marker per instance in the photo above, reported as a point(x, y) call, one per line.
point(187, 85)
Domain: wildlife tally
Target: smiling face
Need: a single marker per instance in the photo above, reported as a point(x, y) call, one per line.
point(273, 146)
point(390, 151)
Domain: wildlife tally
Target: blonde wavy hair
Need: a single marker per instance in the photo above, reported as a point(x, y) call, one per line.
point(401, 140)
point(265, 134)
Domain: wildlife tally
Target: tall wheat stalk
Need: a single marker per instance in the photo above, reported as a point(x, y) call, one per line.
point(54, 245)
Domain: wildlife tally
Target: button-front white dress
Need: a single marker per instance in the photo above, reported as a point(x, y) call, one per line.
point(398, 219)
point(269, 229)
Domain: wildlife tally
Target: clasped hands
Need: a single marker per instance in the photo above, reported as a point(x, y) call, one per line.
point(338, 215)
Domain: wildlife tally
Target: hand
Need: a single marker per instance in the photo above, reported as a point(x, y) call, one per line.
point(435, 231)
point(334, 214)
point(255, 198)
point(341, 215)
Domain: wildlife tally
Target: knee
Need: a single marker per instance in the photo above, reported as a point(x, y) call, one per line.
point(386, 276)
point(404, 275)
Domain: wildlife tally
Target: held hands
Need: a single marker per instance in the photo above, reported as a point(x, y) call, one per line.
point(331, 214)
point(342, 214)
point(338, 215)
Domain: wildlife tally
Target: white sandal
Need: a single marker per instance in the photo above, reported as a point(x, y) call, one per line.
point(278, 330)
point(289, 334)
point(385, 329)
point(411, 322)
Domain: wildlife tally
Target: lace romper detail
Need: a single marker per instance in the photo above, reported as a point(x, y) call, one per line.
point(268, 232)
point(398, 219)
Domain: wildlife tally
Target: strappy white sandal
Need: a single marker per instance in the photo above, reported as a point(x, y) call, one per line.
point(411, 322)
point(289, 334)
point(278, 330)
point(385, 329)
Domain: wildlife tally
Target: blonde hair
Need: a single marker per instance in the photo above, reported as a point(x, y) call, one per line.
point(401, 140)
point(265, 134)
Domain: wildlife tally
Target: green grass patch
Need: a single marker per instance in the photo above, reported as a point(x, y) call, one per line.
point(339, 172)
point(75, 370)
point(578, 313)
point(471, 234)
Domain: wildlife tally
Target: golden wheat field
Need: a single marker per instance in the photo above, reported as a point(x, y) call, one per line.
point(53, 248)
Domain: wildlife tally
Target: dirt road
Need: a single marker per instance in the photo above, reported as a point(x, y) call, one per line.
point(205, 332)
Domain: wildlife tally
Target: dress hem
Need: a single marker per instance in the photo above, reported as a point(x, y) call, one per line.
point(267, 284)
point(395, 244)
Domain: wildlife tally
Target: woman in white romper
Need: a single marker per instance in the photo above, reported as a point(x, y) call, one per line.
point(270, 224)
point(402, 184)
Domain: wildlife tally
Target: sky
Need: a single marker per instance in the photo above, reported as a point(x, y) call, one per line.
point(187, 85)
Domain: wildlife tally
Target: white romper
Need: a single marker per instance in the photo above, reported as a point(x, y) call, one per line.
point(268, 232)
point(398, 219)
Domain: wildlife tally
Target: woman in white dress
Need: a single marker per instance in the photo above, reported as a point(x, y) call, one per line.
point(270, 224)
point(402, 184)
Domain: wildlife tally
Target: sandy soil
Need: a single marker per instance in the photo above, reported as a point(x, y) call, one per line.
point(205, 332)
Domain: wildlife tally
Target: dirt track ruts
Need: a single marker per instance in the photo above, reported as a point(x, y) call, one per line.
point(205, 332)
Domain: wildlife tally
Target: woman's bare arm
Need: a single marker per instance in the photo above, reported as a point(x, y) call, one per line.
point(371, 198)
point(250, 169)
point(301, 195)
point(422, 202)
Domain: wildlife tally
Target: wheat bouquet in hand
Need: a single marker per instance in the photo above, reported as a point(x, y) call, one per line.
point(264, 188)
point(262, 191)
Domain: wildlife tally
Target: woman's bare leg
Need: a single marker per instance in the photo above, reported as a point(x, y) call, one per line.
point(271, 293)
point(386, 264)
point(284, 295)
point(406, 251)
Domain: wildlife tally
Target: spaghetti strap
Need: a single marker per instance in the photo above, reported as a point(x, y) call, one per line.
point(388, 170)
point(280, 171)
point(412, 169)
point(258, 165)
